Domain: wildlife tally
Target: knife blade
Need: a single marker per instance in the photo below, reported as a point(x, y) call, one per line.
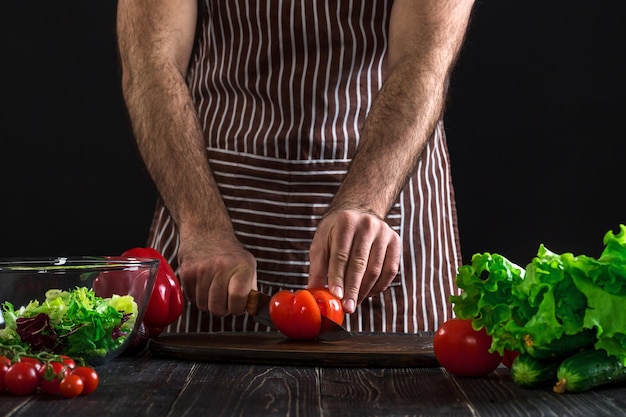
point(258, 307)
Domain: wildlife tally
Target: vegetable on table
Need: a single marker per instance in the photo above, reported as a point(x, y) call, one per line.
point(463, 350)
point(562, 347)
point(71, 386)
point(90, 378)
point(21, 378)
point(588, 369)
point(51, 374)
point(45, 373)
point(298, 315)
point(553, 309)
point(166, 301)
point(530, 372)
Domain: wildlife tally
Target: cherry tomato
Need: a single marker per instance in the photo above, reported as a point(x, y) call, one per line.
point(33, 361)
point(51, 375)
point(69, 361)
point(49, 386)
point(21, 378)
point(330, 306)
point(296, 315)
point(464, 351)
point(508, 357)
point(71, 386)
point(89, 376)
point(5, 363)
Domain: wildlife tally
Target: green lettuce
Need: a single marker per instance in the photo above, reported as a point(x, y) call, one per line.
point(76, 323)
point(554, 295)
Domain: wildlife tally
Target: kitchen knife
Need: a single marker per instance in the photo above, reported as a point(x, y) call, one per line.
point(259, 308)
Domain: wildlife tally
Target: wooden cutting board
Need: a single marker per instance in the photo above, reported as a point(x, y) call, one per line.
point(362, 350)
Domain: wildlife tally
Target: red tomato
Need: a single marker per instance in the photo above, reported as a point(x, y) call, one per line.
point(69, 361)
point(464, 351)
point(52, 374)
point(33, 361)
point(21, 378)
point(71, 386)
point(296, 315)
point(330, 306)
point(89, 376)
point(5, 363)
point(508, 357)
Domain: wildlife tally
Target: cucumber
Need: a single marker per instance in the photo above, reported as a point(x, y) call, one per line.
point(529, 372)
point(565, 346)
point(589, 369)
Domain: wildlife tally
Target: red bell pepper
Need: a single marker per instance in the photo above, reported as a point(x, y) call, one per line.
point(166, 301)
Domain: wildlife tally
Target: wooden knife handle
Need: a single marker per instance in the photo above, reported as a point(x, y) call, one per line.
point(253, 302)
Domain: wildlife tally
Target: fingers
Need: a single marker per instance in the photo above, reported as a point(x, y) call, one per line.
point(318, 269)
point(390, 266)
point(373, 263)
point(339, 258)
point(228, 293)
point(219, 284)
point(217, 296)
point(362, 254)
point(188, 282)
point(239, 288)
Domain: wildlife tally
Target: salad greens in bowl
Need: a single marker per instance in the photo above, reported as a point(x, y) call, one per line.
point(89, 308)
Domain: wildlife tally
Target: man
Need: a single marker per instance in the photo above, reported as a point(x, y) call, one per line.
point(299, 143)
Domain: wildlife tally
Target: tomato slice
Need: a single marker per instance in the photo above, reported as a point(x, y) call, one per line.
point(330, 306)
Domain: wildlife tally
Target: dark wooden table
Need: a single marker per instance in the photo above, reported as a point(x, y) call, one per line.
point(146, 385)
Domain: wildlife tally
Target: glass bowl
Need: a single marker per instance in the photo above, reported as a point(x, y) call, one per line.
point(83, 307)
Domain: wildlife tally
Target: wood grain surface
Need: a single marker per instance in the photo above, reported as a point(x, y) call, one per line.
point(375, 350)
point(146, 385)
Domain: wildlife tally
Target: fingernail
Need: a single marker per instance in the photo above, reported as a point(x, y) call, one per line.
point(348, 305)
point(338, 292)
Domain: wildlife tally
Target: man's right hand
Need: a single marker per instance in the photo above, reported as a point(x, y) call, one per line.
point(216, 274)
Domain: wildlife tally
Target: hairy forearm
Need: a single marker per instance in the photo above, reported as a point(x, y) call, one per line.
point(423, 48)
point(164, 121)
point(170, 141)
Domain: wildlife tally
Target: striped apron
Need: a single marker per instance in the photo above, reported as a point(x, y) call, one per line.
point(282, 89)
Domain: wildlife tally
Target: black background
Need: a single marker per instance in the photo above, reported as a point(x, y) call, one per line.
point(534, 120)
point(536, 127)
